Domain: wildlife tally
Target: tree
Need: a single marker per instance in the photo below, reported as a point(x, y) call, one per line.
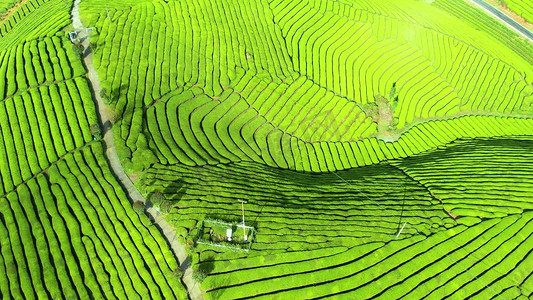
point(157, 198)
point(143, 157)
point(199, 275)
point(78, 49)
point(104, 94)
point(138, 207)
point(93, 46)
point(95, 130)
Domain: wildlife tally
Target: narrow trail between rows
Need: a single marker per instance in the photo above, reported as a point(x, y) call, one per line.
point(193, 288)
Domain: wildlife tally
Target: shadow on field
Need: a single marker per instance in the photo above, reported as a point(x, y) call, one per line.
point(175, 191)
point(107, 126)
point(207, 266)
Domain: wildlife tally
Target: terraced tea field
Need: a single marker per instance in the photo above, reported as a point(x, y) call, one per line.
point(274, 87)
point(5, 6)
point(67, 229)
point(324, 235)
point(373, 150)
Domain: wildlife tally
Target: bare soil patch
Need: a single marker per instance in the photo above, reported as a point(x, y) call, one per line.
point(7, 14)
point(503, 8)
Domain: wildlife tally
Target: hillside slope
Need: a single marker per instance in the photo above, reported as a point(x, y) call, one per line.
point(382, 147)
point(67, 229)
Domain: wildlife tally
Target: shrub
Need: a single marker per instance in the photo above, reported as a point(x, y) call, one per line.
point(199, 275)
point(104, 94)
point(142, 158)
point(157, 198)
point(95, 130)
point(138, 207)
point(78, 50)
point(165, 206)
point(189, 245)
point(93, 46)
point(177, 272)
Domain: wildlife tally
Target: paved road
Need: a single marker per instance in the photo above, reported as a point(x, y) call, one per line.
point(504, 18)
point(193, 288)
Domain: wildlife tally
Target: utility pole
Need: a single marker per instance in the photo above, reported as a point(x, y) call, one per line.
point(401, 214)
point(243, 225)
point(401, 229)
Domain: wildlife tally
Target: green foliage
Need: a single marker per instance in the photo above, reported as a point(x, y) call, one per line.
point(85, 200)
point(280, 85)
point(5, 5)
point(157, 198)
point(78, 50)
point(303, 101)
point(165, 206)
point(143, 157)
point(93, 47)
point(95, 130)
point(60, 203)
point(523, 8)
point(189, 245)
point(138, 207)
point(33, 20)
point(104, 94)
point(199, 275)
point(493, 165)
point(178, 273)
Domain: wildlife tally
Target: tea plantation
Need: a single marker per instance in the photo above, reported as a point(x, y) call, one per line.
point(522, 8)
point(67, 229)
point(383, 149)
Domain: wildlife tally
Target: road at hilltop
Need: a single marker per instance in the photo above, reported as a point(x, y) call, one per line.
point(193, 288)
point(504, 18)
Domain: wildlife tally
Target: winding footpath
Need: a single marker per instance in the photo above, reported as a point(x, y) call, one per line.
point(193, 288)
point(504, 18)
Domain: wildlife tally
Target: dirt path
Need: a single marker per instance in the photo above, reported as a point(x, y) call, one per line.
point(504, 18)
point(499, 5)
point(10, 11)
point(178, 249)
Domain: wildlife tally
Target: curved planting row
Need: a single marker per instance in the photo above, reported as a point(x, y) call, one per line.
point(322, 235)
point(139, 64)
point(360, 56)
point(487, 260)
point(287, 120)
point(194, 129)
point(35, 63)
point(304, 109)
point(72, 233)
point(471, 25)
point(90, 9)
point(41, 125)
point(299, 210)
point(19, 14)
point(494, 179)
point(479, 20)
point(67, 229)
point(34, 19)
